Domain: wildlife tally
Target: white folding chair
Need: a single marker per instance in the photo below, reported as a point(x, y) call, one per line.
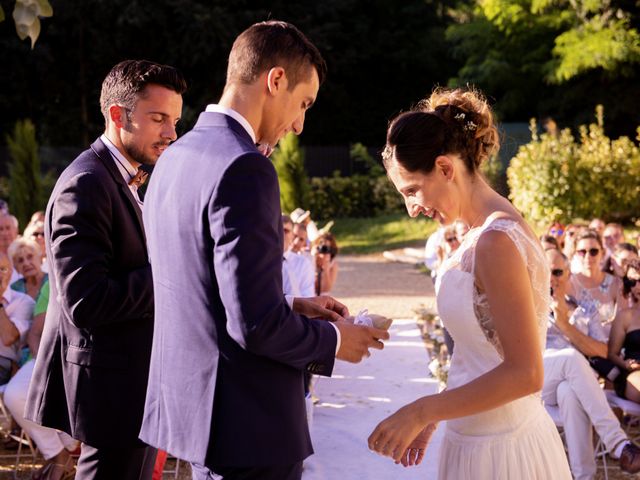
point(175, 471)
point(600, 450)
point(631, 410)
point(23, 438)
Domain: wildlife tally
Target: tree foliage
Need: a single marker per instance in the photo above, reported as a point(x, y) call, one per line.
point(555, 58)
point(382, 56)
point(288, 159)
point(25, 177)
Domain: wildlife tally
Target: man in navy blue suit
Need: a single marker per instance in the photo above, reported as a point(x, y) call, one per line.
point(229, 351)
point(92, 365)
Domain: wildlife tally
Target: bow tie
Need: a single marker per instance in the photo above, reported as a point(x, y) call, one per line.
point(139, 178)
point(264, 148)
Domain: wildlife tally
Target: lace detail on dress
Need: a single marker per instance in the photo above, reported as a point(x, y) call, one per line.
point(533, 256)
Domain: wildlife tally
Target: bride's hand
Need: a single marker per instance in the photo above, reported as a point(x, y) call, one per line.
point(395, 434)
point(414, 453)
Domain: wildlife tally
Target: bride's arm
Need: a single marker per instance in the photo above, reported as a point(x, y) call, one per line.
point(502, 274)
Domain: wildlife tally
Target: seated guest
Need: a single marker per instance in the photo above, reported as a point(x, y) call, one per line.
point(597, 294)
point(570, 234)
point(570, 383)
point(598, 225)
point(35, 232)
point(625, 335)
point(557, 230)
point(54, 445)
point(303, 217)
point(617, 263)
point(325, 251)
point(8, 233)
point(549, 242)
point(612, 235)
point(16, 310)
point(450, 243)
point(27, 260)
point(298, 277)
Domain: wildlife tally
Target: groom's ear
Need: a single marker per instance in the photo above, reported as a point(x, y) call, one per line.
point(276, 80)
point(444, 166)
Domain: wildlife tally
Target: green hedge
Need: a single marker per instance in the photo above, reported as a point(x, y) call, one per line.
point(559, 177)
point(354, 196)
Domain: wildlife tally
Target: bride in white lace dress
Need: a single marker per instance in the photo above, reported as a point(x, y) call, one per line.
point(493, 297)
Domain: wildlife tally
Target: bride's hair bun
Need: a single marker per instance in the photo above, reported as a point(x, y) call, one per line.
point(472, 130)
point(456, 121)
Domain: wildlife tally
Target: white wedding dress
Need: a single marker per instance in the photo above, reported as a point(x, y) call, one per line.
point(516, 441)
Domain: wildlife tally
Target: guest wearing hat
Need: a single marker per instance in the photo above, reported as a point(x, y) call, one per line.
point(303, 217)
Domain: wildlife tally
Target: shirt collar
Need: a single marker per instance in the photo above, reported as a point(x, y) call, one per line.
point(216, 108)
point(124, 166)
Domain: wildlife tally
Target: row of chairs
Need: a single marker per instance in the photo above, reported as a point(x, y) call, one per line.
point(27, 455)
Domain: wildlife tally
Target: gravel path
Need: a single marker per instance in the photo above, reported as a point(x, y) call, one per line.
point(386, 288)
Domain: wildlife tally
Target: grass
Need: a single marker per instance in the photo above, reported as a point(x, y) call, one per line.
point(371, 235)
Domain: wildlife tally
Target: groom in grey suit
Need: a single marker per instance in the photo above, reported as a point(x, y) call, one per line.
point(226, 387)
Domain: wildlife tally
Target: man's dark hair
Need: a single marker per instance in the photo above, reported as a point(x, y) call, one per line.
point(125, 83)
point(271, 44)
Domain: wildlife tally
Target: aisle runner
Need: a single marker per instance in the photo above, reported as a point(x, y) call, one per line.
point(357, 397)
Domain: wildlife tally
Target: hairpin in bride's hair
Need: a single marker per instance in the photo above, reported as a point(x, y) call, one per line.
point(466, 125)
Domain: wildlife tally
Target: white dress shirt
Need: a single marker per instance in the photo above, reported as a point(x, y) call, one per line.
point(19, 308)
point(298, 277)
point(124, 167)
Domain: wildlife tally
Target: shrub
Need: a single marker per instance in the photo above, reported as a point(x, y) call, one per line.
point(556, 177)
point(354, 196)
point(25, 178)
point(294, 184)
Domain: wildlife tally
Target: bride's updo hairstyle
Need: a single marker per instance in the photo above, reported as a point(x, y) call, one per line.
point(448, 122)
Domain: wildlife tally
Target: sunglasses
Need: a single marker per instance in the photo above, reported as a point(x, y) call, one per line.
point(629, 282)
point(451, 239)
point(592, 251)
point(556, 231)
point(557, 272)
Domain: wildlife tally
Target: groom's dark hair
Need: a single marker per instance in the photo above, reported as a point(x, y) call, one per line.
point(127, 80)
point(270, 44)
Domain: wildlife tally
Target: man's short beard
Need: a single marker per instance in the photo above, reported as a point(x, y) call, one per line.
point(138, 155)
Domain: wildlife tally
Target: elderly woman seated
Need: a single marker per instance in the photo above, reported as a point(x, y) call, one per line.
point(54, 446)
point(35, 232)
point(26, 256)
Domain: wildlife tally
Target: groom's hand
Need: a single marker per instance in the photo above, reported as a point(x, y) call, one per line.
point(320, 307)
point(356, 340)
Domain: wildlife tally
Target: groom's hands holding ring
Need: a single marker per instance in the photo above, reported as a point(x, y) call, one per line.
point(356, 340)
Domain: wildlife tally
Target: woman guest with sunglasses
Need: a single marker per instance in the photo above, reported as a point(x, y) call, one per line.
point(556, 229)
point(625, 334)
point(597, 294)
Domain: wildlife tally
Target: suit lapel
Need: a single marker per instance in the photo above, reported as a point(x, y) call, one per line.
point(102, 152)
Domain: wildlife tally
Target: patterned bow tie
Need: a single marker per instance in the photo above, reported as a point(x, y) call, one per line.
point(264, 148)
point(139, 178)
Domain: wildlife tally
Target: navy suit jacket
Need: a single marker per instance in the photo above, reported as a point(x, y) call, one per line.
point(91, 370)
point(226, 376)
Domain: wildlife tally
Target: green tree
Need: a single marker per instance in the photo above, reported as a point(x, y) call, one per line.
point(294, 184)
point(556, 58)
point(25, 177)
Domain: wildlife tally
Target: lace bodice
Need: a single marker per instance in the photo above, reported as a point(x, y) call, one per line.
point(459, 296)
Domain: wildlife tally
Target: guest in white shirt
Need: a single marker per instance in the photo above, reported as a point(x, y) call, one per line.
point(8, 233)
point(297, 271)
point(16, 310)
